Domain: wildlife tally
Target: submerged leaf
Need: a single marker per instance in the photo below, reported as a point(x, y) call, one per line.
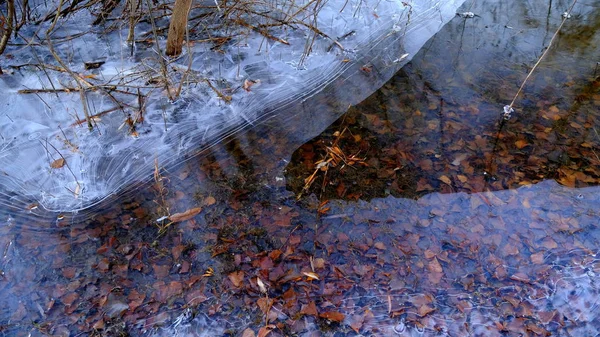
point(190, 213)
point(333, 316)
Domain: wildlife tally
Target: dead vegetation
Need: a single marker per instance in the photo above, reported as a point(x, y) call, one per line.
point(215, 24)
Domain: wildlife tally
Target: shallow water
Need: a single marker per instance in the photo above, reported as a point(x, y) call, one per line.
point(442, 220)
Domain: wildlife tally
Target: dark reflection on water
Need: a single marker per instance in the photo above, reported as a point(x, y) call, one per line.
point(437, 125)
point(514, 261)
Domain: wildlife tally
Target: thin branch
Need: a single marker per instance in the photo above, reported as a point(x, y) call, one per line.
point(565, 17)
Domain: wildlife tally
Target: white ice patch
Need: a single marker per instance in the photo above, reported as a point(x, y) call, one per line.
point(131, 119)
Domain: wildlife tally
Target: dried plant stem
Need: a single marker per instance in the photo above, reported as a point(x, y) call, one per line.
point(9, 25)
point(565, 17)
point(133, 18)
point(189, 68)
point(161, 60)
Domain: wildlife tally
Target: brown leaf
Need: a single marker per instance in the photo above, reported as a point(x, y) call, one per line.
point(195, 297)
point(549, 243)
point(69, 272)
point(380, 245)
point(424, 310)
point(319, 263)
point(445, 180)
point(58, 163)
point(309, 309)
point(190, 213)
point(248, 333)
point(265, 330)
point(521, 277)
point(265, 304)
point(135, 299)
point(236, 278)
point(333, 316)
point(161, 271)
point(434, 266)
point(537, 258)
point(209, 201)
point(429, 254)
point(69, 298)
point(520, 143)
point(177, 250)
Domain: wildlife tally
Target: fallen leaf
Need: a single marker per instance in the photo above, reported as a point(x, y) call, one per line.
point(236, 278)
point(58, 163)
point(261, 285)
point(309, 309)
point(445, 180)
point(333, 316)
point(520, 144)
point(319, 263)
point(69, 298)
point(537, 258)
point(549, 243)
point(429, 254)
point(209, 201)
point(195, 297)
point(248, 333)
point(434, 266)
point(311, 276)
point(265, 330)
point(424, 310)
point(265, 304)
point(521, 277)
point(190, 213)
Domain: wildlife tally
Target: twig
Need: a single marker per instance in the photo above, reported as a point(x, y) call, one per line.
point(163, 64)
point(565, 17)
point(78, 189)
point(222, 96)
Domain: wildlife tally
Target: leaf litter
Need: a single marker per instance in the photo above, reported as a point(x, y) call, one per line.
point(245, 258)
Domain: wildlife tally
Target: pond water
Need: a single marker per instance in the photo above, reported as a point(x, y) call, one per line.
point(420, 212)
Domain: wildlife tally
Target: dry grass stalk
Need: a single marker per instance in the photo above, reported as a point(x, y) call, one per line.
point(163, 209)
point(334, 157)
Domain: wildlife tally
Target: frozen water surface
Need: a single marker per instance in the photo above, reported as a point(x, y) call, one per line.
point(132, 121)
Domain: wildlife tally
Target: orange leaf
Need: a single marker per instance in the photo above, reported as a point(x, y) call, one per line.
point(190, 213)
point(58, 163)
point(264, 331)
point(446, 180)
point(210, 200)
point(333, 316)
point(236, 278)
point(520, 144)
